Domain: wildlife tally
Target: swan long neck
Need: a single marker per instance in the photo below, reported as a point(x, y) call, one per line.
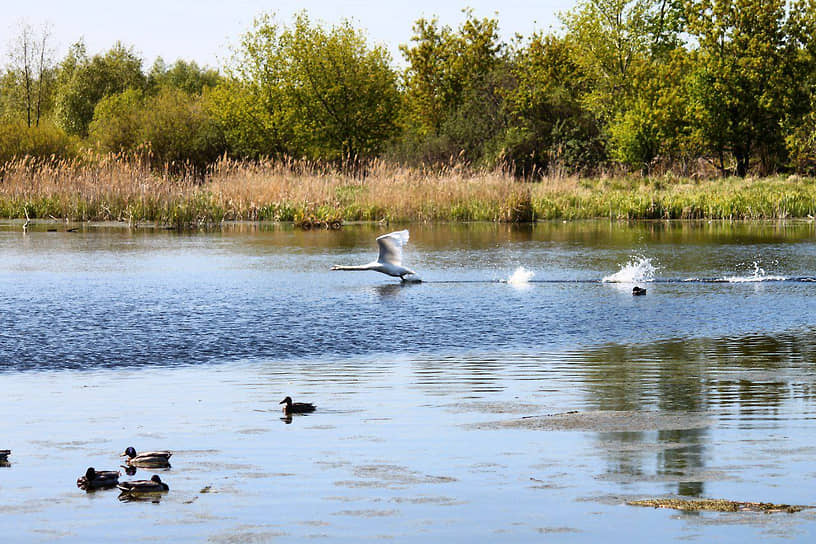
point(369, 266)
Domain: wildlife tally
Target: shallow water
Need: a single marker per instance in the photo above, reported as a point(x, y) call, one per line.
point(444, 408)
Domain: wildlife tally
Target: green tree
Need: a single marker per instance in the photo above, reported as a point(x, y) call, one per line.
point(550, 127)
point(628, 51)
point(18, 140)
point(28, 83)
point(249, 128)
point(84, 81)
point(455, 85)
point(187, 76)
point(744, 66)
point(318, 92)
point(342, 94)
point(116, 120)
point(179, 130)
point(613, 39)
point(655, 121)
point(173, 126)
point(800, 123)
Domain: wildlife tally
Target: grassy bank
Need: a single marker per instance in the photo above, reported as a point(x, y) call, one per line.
point(109, 188)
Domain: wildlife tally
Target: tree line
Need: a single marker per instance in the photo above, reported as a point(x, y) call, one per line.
point(636, 85)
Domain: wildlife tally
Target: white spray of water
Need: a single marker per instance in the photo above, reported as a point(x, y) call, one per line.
point(637, 270)
point(758, 275)
point(521, 276)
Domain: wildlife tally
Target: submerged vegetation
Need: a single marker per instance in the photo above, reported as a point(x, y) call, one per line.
point(633, 109)
point(718, 505)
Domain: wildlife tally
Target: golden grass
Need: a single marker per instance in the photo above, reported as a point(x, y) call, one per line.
point(111, 187)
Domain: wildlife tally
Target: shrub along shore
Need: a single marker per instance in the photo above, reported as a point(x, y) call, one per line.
point(111, 188)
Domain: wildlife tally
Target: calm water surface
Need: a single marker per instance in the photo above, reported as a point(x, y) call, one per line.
point(438, 402)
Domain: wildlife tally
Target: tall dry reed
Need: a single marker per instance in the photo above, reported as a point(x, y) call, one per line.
point(114, 187)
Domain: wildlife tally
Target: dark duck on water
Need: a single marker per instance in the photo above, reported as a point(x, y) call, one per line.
point(98, 479)
point(296, 407)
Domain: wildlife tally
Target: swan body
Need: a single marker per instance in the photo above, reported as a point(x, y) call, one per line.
point(389, 261)
point(94, 479)
point(153, 485)
point(147, 459)
point(296, 407)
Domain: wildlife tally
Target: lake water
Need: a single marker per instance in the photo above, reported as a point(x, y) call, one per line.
point(465, 408)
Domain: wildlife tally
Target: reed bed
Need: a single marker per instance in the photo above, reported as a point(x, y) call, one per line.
point(670, 198)
point(118, 188)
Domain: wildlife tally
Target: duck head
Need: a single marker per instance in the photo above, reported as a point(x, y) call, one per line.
point(287, 401)
point(90, 474)
point(129, 452)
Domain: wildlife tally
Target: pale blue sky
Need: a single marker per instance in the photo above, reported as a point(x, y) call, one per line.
point(202, 30)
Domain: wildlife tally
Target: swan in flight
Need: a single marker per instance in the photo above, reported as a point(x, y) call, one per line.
point(390, 259)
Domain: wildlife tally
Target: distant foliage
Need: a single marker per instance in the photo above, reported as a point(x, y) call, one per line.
point(310, 91)
point(84, 81)
point(455, 84)
point(691, 87)
point(172, 127)
point(185, 76)
point(17, 140)
point(116, 121)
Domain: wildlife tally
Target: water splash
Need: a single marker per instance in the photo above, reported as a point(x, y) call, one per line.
point(637, 270)
point(758, 275)
point(521, 276)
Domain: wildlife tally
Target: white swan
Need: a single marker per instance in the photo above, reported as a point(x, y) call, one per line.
point(390, 259)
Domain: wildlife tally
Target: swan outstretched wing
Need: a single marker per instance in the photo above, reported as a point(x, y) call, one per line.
point(391, 247)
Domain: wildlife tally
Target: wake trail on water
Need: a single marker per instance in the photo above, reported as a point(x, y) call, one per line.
point(640, 269)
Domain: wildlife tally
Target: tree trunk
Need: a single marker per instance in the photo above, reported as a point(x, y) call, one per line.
point(743, 157)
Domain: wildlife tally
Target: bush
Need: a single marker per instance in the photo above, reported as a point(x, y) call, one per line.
point(18, 140)
point(801, 144)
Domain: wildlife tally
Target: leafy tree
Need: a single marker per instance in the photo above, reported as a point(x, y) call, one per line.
point(28, 82)
point(550, 128)
point(84, 81)
point(173, 126)
point(242, 113)
point(323, 93)
point(655, 121)
point(744, 66)
point(179, 130)
point(115, 125)
point(187, 76)
point(614, 38)
point(800, 122)
point(455, 84)
point(342, 94)
point(628, 50)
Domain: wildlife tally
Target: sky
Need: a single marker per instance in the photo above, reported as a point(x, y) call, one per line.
point(203, 30)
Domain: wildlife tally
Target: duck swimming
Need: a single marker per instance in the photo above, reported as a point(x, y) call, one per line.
point(97, 480)
point(147, 459)
point(153, 485)
point(296, 407)
point(638, 291)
